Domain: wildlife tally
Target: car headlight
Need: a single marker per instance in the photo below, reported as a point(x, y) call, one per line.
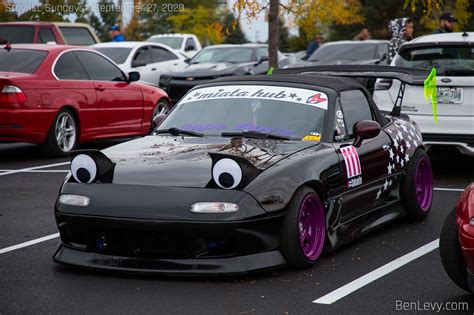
point(165, 77)
point(89, 166)
point(231, 171)
point(214, 207)
point(471, 222)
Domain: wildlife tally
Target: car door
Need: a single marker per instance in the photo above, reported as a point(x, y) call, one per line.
point(143, 63)
point(163, 60)
point(363, 168)
point(120, 102)
point(76, 89)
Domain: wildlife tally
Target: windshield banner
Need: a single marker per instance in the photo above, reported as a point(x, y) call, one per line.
point(263, 92)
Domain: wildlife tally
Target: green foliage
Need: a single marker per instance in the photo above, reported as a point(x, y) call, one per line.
point(103, 23)
point(233, 33)
point(6, 12)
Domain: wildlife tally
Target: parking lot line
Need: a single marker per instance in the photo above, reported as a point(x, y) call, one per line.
point(355, 285)
point(33, 168)
point(38, 171)
point(29, 243)
point(449, 189)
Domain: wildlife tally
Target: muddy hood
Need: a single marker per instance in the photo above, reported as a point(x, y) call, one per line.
point(185, 161)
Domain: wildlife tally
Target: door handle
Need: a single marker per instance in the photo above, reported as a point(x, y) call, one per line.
point(100, 88)
point(153, 69)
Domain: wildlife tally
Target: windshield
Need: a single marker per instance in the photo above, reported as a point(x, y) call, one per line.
point(290, 112)
point(21, 60)
point(230, 54)
point(448, 60)
point(173, 42)
point(117, 54)
point(345, 52)
point(18, 34)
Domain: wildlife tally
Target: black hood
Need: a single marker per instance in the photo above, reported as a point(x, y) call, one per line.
point(210, 69)
point(336, 62)
point(185, 161)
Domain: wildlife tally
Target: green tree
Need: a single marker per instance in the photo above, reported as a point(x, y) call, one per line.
point(109, 16)
point(233, 31)
point(7, 14)
point(283, 36)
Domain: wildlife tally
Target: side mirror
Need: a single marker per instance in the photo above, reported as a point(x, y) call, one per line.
point(158, 119)
point(189, 47)
point(365, 129)
point(187, 60)
point(261, 59)
point(133, 76)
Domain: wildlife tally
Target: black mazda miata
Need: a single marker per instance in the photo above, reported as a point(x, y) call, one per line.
point(248, 173)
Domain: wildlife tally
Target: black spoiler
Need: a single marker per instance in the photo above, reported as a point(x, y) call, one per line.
point(405, 75)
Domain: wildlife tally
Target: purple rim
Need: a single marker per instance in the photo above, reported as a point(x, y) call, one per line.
point(311, 226)
point(424, 184)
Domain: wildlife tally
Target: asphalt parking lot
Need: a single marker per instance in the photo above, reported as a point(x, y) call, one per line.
point(379, 273)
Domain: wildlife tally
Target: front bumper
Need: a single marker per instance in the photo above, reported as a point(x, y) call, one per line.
point(134, 228)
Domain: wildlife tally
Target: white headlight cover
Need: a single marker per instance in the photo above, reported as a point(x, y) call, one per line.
point(74, 200)
point(227, 173)
point(214, 207)
point(471, 222)
point(83, 168)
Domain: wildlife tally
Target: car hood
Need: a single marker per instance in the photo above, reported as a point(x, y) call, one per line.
point(185, 161)
point(206, 69)
point(336, 62)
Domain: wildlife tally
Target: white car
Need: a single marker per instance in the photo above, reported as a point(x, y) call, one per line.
point(187, 44)
point(150, 59)
point(453, 56)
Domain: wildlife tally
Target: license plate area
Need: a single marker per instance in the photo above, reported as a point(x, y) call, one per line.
point(449, 95)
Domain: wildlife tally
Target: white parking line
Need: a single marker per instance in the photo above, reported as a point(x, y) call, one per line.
point(38, 171)
point(355, 285)
point(29, 243)
point(448, 189)
point(33, 168)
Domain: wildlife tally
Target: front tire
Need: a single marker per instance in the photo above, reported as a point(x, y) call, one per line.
point(417, 187)
point(450, 252)
point(304, 229)
point(62, 136)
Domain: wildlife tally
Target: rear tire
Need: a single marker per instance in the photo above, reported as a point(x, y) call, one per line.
point(450, 252)
point(417, 187)
point(162, 107)
point(304, 229)
point(62, 136)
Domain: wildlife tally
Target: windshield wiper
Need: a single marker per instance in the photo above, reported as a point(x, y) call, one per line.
point(177, 132)
point(254, 135)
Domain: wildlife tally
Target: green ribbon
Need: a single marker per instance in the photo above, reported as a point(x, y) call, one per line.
point(270, 71)
point(430, 90)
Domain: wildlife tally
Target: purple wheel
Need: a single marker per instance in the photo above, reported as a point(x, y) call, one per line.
point(311, 226)
point(416, 189)
point(304, 229)
point(424, 183)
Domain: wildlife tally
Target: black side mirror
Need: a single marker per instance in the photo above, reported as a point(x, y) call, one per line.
point(365, 129)
point(261, 59)
point(158, 119)
point(187, 60)
point(133, 76)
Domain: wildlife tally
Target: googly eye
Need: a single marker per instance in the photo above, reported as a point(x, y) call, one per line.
point(83, 168)
point(227, 173)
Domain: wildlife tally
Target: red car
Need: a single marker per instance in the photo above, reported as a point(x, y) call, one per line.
point(456, 244)
point(59, 96)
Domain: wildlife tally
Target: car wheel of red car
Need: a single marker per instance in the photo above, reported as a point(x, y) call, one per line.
point(162, 107)
point(450, 252)
point(62, 136)
point(417, 186)
point(304, 229)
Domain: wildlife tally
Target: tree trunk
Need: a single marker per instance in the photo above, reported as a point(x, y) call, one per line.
point(273, 33)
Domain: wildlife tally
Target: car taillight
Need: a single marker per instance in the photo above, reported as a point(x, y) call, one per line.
point(12, 95)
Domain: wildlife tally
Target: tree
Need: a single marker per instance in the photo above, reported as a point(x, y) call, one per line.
point(7, 13)
point(309, 15)
point(109, 16)
point(283, 36)
point(232, 29)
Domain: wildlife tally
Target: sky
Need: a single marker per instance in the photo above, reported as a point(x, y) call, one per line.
point(255, 30)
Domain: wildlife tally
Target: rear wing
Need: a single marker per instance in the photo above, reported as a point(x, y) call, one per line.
point(404, 75)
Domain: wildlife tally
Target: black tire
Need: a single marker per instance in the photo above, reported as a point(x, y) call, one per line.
point(450, 252)
point(290, 233)
point(417, 210)
point(51, 147)
point(162, 107)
